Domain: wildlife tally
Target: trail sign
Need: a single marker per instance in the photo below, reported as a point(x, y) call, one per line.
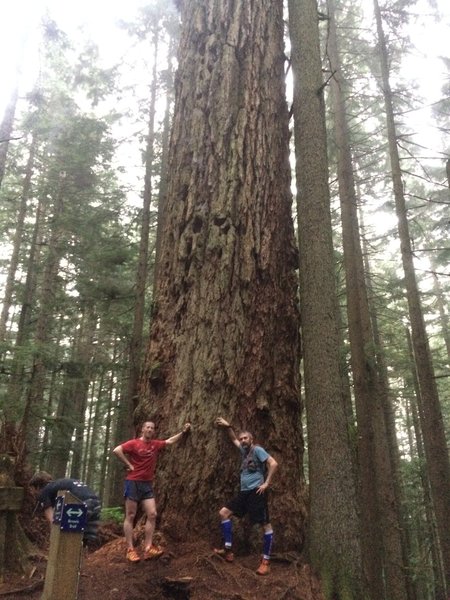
point(57, 512)
point(64, 557)
point(73, 517)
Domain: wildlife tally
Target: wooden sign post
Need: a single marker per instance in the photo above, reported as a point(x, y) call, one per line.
point(66, 542)
point(10, 504)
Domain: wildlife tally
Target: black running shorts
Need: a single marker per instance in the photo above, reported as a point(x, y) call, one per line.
point(251, 503)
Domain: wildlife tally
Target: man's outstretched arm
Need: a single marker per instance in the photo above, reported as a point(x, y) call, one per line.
point(178, 436)
point(221, 422)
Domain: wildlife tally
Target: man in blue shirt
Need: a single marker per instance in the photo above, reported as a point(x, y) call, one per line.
point(257, 469)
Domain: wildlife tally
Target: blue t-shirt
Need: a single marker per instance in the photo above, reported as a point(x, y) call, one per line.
point(252, 467)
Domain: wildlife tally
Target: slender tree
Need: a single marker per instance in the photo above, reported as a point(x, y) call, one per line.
point(376, 473)
point(431, 539)
point(438, 462)
point(33, 409)
point(136, 341)
point(6, 129)
point(17, 241)
point(162, 191)
point(334, 540)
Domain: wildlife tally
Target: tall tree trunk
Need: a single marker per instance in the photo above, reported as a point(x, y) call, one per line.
point(6, 129)
point(32, 414)
point(443, 315)
point(438, 462)
point(112, 403)
point(13, 404)
point(334, 526)
point(90, 426)
point(379, 507)
point(81, 388)
point(124, 421)
point(416, 404)
point(70, 412)
point(17, 241)
point(389, 417)
point(135, 357)
point(52, 400)
point(224, 335)
point(418, 524)
point(162, 192)
point(113, 486)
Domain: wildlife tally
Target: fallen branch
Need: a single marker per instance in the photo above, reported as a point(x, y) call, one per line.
point(25, 590)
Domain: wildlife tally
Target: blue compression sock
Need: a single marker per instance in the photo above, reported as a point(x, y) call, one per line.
point(267, 544)
point(227, 532)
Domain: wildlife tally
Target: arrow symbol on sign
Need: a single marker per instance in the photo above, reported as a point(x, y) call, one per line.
point(74, 513)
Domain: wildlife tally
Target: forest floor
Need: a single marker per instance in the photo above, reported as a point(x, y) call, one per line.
point(186, 571)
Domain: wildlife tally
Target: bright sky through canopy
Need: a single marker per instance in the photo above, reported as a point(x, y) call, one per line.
point(99, 20)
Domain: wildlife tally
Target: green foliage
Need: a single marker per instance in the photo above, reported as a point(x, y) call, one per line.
point(114, 513)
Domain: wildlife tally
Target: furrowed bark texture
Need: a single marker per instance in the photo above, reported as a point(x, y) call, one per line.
point(224, 337)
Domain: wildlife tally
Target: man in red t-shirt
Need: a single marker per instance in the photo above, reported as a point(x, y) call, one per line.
point(139, 455)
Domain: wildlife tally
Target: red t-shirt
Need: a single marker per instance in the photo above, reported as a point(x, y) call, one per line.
point(142, 455)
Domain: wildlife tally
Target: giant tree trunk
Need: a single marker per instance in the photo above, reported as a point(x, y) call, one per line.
point(224, 336)
point(334, 527)
point(438, 462)
point(379, 507)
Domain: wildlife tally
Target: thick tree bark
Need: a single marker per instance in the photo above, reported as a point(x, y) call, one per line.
point(438, 462)
point(379, 508)
point(334, 526)
point(224, 336)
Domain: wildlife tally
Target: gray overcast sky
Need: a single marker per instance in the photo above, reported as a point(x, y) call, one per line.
point(99, 17)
